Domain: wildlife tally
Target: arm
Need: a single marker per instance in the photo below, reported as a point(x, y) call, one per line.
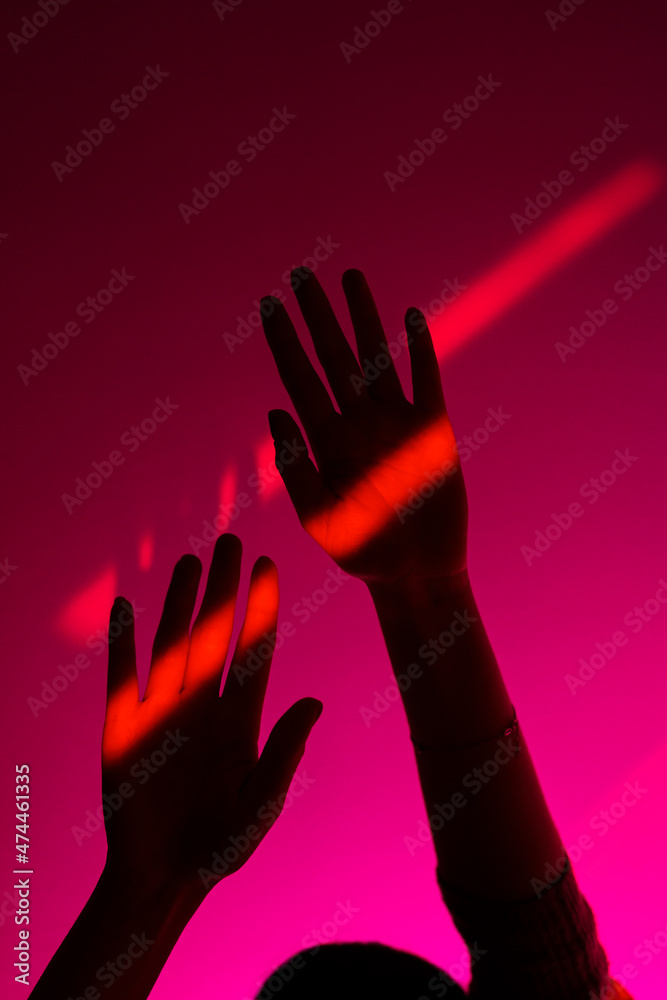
point(119, 943)
point(501, 835)
point(372, 460)
point(188, 781)
point(362, 500)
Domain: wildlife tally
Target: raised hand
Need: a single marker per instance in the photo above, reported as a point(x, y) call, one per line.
point(386, 497)
point(188, 754)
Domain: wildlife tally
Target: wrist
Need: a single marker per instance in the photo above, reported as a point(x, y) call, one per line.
point(414, 591)
point(124, 892)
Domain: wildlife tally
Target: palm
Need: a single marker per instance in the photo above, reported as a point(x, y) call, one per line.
point(179, 768)
point(181, 773)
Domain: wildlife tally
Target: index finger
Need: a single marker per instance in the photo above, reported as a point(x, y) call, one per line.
point(304, 386)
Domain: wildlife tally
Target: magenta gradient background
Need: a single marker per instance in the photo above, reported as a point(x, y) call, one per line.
point(163, 336)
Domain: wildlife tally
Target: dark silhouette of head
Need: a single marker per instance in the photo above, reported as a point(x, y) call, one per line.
point(358, 971)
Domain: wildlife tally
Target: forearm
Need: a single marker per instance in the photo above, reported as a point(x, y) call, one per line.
point(119, 944)
point(500, 834)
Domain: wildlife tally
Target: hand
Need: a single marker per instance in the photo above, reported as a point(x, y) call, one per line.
point(189, 755)
point(387, 499)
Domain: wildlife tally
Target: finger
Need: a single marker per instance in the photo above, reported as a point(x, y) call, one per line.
point(212, 629)
point(122, 682)
point(302, 481)
point(427, 391)
point(172, 639)
point(304, 386)
point(337, 357)
point(282, 753)
point(376, 361)
point(245, 686)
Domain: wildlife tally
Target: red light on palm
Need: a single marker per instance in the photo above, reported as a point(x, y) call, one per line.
point(393, 489)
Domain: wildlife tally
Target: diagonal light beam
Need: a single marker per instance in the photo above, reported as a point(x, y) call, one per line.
point(586, 221)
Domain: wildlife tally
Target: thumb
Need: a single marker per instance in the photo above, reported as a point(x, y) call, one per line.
point(282, 754)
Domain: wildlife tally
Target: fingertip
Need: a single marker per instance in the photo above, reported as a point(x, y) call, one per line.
point(225, 567)
point(317, 709)
point(264, 564)
point(187, 572)
point(308, 711)
point(299, 275)
point(352, 274)
point(120, 605)
point(268, 306)
point(266, 571)
point(276, 417)
point(270, 301)
point(288, 439)
point(188, 561)
point(228, 547)
point(415, 317)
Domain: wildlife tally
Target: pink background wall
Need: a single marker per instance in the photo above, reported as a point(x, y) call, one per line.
point(321, 182)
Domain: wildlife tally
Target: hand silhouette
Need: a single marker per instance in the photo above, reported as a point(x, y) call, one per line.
point(181, 773)
point(387, 499)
